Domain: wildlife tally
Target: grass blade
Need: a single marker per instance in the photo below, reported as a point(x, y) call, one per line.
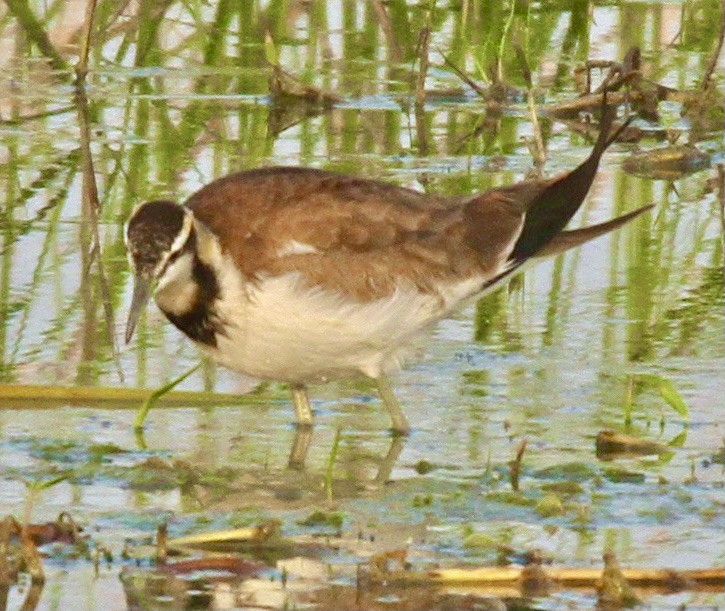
point(157, 394)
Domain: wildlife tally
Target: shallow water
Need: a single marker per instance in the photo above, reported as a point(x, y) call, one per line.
point(548, 359)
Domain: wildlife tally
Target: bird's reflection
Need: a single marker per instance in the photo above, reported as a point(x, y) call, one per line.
point(300, 447)
point(303, 440)
point(317, 466)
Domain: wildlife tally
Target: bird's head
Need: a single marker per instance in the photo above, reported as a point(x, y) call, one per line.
point(160, 241)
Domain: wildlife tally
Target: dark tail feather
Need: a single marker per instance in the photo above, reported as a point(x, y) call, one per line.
point(550, 211)
point(565, 240)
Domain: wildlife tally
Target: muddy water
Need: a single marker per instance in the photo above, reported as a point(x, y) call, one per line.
point(554, 359)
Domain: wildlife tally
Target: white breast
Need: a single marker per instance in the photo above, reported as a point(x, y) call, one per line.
point(281, 328)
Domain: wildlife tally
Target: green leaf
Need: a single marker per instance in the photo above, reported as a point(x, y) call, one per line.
point(673, 398)
point(679, 440)
point(667, 391)
point(156, 395)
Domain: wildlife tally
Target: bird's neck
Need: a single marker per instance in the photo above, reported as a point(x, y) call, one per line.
point(189, 289)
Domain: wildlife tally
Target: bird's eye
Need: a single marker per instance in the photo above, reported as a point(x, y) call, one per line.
point(173, 256)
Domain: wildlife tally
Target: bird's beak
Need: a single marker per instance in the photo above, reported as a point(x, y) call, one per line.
point(141, 292)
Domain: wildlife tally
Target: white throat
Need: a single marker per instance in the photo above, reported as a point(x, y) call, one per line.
point(176, 290)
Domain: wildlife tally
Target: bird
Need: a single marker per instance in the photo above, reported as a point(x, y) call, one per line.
point(303, 276)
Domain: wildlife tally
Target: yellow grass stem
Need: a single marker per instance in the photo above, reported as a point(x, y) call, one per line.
point(31, 396)
point(563, 577)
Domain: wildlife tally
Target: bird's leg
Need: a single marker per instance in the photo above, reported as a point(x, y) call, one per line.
point(303, 409)
point(400, 422)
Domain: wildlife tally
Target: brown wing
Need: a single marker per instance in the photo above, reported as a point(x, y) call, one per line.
point(362, 237)
point(357, 236)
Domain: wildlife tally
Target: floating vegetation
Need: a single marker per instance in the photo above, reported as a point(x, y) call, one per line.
point(549, 506)
point(669, 163)
point(610, 444)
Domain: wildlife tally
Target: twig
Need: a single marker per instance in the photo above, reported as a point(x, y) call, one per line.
point(619, 73)
point(225, 564)
point(678, 34)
